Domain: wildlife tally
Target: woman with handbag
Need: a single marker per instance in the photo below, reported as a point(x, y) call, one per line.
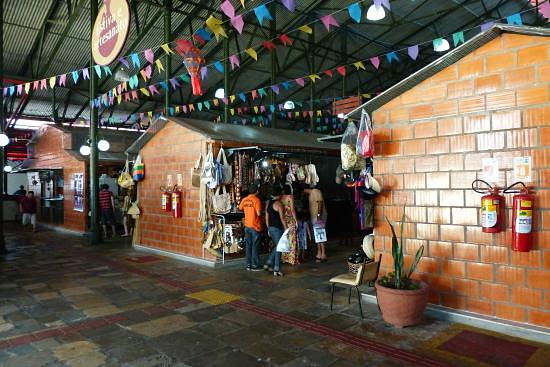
point(275, 222)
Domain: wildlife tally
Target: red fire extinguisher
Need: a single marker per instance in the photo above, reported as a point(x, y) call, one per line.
point(492, 207)
point(166, 201)
point(522, 218)
point(176, 203)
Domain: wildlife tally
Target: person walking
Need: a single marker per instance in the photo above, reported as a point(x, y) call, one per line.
point(290, 221)
point(107, 206)
point(275, 222)
point(27, 206)
point(318, 213)
point(124, 209)
point(252, 207)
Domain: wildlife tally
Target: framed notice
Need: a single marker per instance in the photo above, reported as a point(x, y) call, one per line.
point(490, 169)
point(522, 169)
point(78, 184)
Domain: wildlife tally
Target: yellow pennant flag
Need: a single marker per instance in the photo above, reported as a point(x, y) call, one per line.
point(365, 95)
point(125, 87)
point(242, 3)
point(232, 111)
point(177, 109)
point(166, 48)
point(359, 65)
point(114, 92)
point(319, 113)
point(159, 65)
point(252, 53)
point(256, 109)
point(145, 92)
point(306, 29)
point(232, 98)
point(27, 87)
point(297, 114)
point(52, 82)
point(191, 107)
point(215, 25)
point(150, 114)
point(314, 77)
point(119, 99)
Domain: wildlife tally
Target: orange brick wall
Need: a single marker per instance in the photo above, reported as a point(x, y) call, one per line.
point(430, 142)
point(49, 153)
point(173, 150)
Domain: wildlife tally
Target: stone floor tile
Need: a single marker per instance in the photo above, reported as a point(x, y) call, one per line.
point(91, 359)
point(36, 359)
point(75, 291)
point(101, 311)
point(69, 351)
point(225, 357)
point(162, 326)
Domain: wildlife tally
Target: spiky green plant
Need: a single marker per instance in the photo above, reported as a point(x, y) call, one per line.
point(401, 278)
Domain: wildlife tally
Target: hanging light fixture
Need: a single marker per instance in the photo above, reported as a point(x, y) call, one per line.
point(220, 93)
point(4, 140)
point(376, 13)
point(8, 168)
point(103, 145)
point(441, 45)
point(85, 150)
point(289, 105)
point(121, 75)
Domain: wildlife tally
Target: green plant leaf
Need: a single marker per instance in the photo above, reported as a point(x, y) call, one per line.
point(417, 257)
point(395, 250)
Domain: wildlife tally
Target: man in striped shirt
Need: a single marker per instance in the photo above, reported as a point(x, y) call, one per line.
point(106, 206)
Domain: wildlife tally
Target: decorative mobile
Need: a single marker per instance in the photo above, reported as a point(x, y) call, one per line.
point(193, 61)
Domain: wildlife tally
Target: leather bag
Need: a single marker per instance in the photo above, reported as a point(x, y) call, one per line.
point(196, 173)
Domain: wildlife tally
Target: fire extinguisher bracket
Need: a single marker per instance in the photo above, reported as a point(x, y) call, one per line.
point(492, 207)
point(522, 217)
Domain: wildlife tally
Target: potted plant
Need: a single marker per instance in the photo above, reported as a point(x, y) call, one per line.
point(401, 299)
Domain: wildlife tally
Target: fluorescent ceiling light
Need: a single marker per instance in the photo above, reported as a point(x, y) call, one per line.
point(103, 145)
point(85, 150)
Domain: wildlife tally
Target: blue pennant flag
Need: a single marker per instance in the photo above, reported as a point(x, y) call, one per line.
point(392, 56)
point(75, 76)
point(354, 11)
point(164, 85)
point(242, 97)
point(262, 13)
point(218, 65)
point(204, 34)
point(272, 108)
point(135, 60)
point(286, 85)
point(514, 19)
point(172, 111)
point(107, 70)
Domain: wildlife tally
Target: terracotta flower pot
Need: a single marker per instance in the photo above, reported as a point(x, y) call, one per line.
point(401, 307)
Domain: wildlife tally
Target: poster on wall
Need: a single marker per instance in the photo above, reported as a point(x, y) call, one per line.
point(490, 169)
point(78, 184)
point(522, 169)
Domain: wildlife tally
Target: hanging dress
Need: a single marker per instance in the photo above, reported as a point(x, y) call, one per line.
point(292, 256)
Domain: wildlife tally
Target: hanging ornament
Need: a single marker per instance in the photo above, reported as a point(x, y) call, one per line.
point(193, 61)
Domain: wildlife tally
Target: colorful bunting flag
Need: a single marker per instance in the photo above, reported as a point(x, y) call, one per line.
point(215, 25)
point(341, 70)
point(167, 49)
point(107, 71)
point(262, 13)
point(375, 61)
point(149, 55)
point(238, 23)
point(300, 82)
point(354, 11)
point(270, 46)
point(314, 77)
point(204, 72)
point(62, 80)
point(85, 74)
point(392, 56)
point(135, 61)
point(285, 40)
point(413, 51)
point(252, 53)
point(486, 26)
point(27, 87)
point(232, 98)
point(234, 60)
point(306, 29)
point(458, 37)
point(124, 62)
point(275, 88)
point(289, 4)
point(242, 96)
point(97, 69)
point(228, 9)
point(359, 65)
point(159, 65)
point(514, 19)
point(204, 34)
point(329, 20)
point(219, 67)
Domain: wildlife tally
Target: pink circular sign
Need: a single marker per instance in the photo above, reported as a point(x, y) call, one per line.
point(111, 29)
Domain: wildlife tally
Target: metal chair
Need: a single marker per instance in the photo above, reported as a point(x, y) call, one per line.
point(367, 272)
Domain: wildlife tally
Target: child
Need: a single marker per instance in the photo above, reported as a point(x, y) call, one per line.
point(303, 234)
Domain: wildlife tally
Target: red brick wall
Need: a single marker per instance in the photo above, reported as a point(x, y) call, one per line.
point(50, 153)
point(430, 142)
point(173, 150)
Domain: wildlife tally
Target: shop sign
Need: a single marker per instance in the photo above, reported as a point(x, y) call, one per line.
point(490, 169)
point(522, 169)
point(111, 29)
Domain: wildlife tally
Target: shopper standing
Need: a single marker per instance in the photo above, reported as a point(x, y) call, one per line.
point(107, 205)
point(252, 207)
point(290, 221)
point(27, 206)
point(127, 202)
point(317, 212)
point(275, 222)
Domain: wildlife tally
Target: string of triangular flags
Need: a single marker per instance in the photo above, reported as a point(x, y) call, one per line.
point(216, 27)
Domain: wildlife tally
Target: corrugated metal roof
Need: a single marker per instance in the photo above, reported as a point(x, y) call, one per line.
point(443, 62)
point(265, 137)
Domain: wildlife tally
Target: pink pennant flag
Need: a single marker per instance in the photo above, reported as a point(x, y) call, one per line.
point(153, 89)
point(149, 71)
point(134, 95)
point(119, 88)
point(240, 111)
point(544, 9)
point(329, 20)
point(341, 70)
point(234, 60)
point(254, 94)
point(289, 114)
point(262, 108)
point(149, 55)
point(329, 73)
point(62, 80)
point(375, 61)
point(184, 108)
point(225, 100)
point(19, 89)
point(35, 85)
point(301, 82)
point(310, 113)
point(43, 84)
point(227, 8)
point(238, 23)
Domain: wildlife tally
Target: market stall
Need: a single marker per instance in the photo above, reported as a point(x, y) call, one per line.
point(193, 217)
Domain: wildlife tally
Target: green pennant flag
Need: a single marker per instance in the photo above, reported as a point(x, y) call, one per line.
point(458, 37)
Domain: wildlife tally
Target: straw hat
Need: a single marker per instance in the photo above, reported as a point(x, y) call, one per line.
point(368, 246)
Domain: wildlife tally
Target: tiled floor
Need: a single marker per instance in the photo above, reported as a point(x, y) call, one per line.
point(63, 303)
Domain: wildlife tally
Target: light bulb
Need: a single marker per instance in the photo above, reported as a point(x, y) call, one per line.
point(85, 150)
point(376, 13)
point(441, 45)
point(265, 164)
point(4, 140)
point(289, 105)
point(103, 145)
point(8, 169)
point(220, 93)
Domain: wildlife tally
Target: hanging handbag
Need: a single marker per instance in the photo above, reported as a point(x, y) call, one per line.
point(207, 172)
point(139, 170)
point(221, 201)
point(196, 173)
point(226, 169)
point(365, 137)
point(125, 180)
point(319, 232)
point(134, 210)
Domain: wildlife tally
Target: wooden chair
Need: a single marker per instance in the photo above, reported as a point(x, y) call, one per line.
point(368, 272)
